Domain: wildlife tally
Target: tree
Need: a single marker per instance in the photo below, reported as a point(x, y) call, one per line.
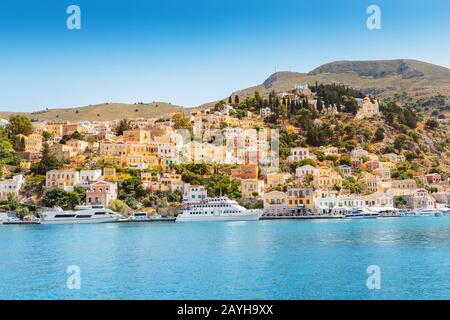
point(236, 99)
point(432, 124)
point(308, 179)
point(122, 126)
point(19, 143)
point(319, 105)
point(350, 184)
point(345, 160)
point(73, 200)
point(379, 134)
point(19, 125)
point(220, 184)
point(48, 162)
point(351, 105)
point(175, 196)
point(6, 150)
point(400, 202)
point(180, 121)
point(47, 135)
point(61, 198)
point(119, 206)
point(34, 185)
point(130, 191)
point(81, 191)
point(410, 118)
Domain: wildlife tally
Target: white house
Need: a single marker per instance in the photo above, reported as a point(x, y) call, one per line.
point(3, 123)
point(89, 176)
point(302, 171)
point(346, 170)
point(380, 200)
point(226, 110)
point(11, 186)
point(265, 112)
point(298, 154)
point(194, 193)
point(359, 153)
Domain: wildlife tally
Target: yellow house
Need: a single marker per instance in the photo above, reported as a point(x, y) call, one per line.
point(336, 180)
point(324, 171)
point(152, 162)
point(251, 186)
point(387, 165)
point(275, 203)
point(136, 135)
point(113, 148)
point(383, 173)
point(32, 143)
point(371, 183)
point(274, 180)
point(109, 173)
point(77, 145)
point(135, 161)
point(136, 149)
point(165, 163)
point(168, 180)
point(64, 179)
point(300, 197)
point(56, 128)
point(119, 161)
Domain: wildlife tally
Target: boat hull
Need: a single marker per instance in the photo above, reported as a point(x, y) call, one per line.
point(81, 216)
point(79, 221)
point(241, 217)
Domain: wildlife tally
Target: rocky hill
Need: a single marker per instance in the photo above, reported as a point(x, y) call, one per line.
point(383, 78)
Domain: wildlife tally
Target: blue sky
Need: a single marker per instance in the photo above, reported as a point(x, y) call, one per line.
point(191, 52)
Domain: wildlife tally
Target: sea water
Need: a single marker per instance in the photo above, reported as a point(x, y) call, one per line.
point(315, 259)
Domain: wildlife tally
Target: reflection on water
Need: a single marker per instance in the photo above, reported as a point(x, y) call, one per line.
point(238, 260)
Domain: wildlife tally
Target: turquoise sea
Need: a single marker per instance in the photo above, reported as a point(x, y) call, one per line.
point(231, 260)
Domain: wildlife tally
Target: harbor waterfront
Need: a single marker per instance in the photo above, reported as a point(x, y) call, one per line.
point(282, 259)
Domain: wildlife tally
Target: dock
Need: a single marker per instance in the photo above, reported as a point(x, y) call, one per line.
point(312, 217)
point(172, 219)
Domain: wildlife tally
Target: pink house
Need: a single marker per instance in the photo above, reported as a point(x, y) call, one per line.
point(433, 178)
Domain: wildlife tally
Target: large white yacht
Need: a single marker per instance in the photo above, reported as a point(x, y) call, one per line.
point(81, 214)
point(217, 209)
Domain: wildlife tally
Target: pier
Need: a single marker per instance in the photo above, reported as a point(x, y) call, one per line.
point(321, 217)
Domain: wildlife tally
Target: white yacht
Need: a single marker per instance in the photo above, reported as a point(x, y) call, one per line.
point(217, 209)
point(81, 214)
point(138, 216)
point(427, 212)
point(445, 210)
point(6, 217)
point(362, 214)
